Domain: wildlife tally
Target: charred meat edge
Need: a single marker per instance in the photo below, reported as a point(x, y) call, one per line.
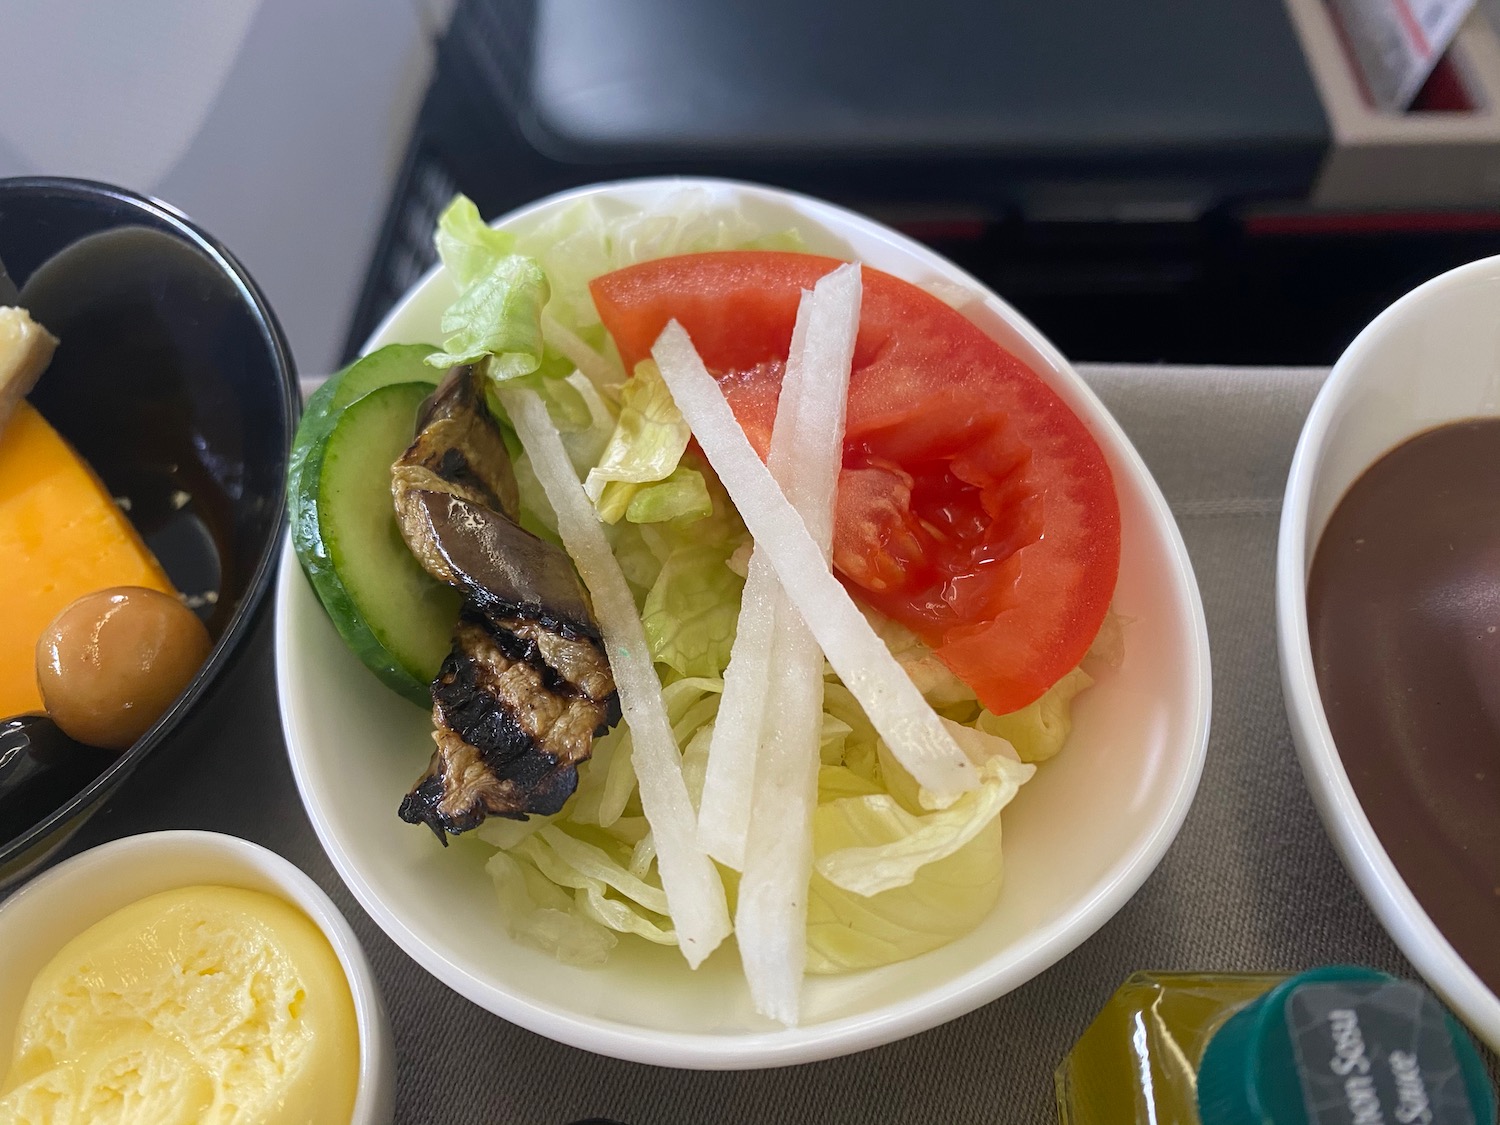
point(526, 687)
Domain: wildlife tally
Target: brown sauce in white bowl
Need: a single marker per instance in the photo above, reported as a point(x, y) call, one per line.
point(1404, 615)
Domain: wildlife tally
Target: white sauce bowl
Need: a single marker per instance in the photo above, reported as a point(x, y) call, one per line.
point(58, 905)
point(1432, 357)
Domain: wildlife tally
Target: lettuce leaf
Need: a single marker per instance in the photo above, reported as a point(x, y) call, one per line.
point(868, 845)
point(594, 864)
point(595, 236)
point(497, 318)
point(933, 678)
point(539, 912)
point(592, 873)
point(888, 884)
point(468, 247)
point(1039, 730)
point(606, 783)
point(691, 611)
point(682, 496)
point(648, 441)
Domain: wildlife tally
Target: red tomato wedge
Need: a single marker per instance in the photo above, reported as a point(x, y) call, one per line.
point(974, 506)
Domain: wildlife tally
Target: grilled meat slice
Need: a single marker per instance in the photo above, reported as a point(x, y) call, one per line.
point(496, 562)
point(516, 708)
point(526, 687)
point(458, 449)
point(455, 496)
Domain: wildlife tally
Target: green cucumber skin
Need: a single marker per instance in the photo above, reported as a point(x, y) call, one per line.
point(360, 615)
point(394, 363)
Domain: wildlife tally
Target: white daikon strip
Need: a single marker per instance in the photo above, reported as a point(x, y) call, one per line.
point(599, 370)
point(724, 811)
point(806, 452)
point(694, 892)
point(909, 726)
point(805, 459)
point(770, 921)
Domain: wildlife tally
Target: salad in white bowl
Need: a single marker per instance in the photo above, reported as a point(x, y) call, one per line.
point(749, 568)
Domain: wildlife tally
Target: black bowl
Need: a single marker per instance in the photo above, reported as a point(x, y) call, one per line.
point(174, 381)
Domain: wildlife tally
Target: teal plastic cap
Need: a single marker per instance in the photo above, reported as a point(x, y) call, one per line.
point(1344, 1045)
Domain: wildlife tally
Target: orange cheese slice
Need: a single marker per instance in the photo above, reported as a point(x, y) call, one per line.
point(61, 536)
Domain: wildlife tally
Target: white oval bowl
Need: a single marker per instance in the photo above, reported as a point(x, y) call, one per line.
point(1432, 357)
point(60, 904)
point(1080, 838)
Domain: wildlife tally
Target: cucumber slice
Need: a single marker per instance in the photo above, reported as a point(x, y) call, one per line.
point(395, 617)
point(394, 363)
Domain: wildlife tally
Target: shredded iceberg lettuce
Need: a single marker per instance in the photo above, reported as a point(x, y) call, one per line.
point(891, 879)
point(692, 609)
point(540, 912)
point(889, 883)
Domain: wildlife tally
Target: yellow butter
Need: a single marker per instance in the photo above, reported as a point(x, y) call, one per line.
point(205, 1004)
